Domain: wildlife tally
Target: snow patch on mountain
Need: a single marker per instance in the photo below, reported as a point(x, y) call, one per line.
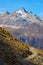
point(22, 12)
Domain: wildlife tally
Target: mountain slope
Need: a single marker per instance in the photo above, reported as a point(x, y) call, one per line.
point(26, 27)
point(14, 52)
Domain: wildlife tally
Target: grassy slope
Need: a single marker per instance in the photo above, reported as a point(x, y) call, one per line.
point(12, 50)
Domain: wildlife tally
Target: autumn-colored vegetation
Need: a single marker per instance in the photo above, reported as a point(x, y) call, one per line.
point(12, 51)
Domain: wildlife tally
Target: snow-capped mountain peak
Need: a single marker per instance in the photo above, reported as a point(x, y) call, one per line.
point(19, 18)
point(22, 11)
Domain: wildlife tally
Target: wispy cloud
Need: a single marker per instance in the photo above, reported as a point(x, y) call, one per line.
point(2, 10)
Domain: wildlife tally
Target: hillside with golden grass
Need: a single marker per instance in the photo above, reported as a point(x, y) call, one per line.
point(14, 52)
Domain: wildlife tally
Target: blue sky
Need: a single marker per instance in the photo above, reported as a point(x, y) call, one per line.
point(30, 5)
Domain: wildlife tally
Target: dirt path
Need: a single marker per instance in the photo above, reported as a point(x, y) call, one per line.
point(34, 53)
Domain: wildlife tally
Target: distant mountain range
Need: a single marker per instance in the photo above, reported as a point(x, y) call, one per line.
point(19, 18)
point(25, 26)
